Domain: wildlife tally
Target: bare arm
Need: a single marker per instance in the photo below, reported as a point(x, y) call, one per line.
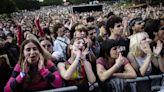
point(128, 73)
point(66, 74)
point(104, 74)
point(88, 69)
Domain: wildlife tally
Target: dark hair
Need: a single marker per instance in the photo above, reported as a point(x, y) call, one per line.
point(111, 22)
point(161, 28)
point(46, 31)
point(46, 38)
point(90, 19)
point(101, 23)
point(73, 30)
point(131, 24)
point(106, 47)
point(10, 34)
point(151, 26)
point(109, 14)
point(2, 35)
point(90, 27)
point(57, 26)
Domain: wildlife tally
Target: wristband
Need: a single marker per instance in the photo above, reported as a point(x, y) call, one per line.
point(118, 65)
point(22, 74)
point(77, 58)
point(91, 86)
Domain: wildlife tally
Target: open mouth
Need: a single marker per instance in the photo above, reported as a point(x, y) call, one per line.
point(32, 57)
point(80, 49)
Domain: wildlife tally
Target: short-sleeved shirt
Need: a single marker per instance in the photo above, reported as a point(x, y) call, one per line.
point(107, 66)
point(78, 76)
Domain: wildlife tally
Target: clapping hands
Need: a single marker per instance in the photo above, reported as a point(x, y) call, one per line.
point(158, 48)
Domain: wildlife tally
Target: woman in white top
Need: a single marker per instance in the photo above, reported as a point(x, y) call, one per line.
point(143, 59)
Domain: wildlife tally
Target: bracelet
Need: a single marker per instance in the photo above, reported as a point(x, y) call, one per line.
point(77, 58)
point(154, 55)
point(91, 86)
point(118, 65)
point(22, 74)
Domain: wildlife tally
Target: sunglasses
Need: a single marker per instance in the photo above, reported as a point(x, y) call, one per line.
point(139, 23)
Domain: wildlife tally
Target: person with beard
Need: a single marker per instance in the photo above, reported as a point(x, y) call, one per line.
point(92, 42)
point(34, 71)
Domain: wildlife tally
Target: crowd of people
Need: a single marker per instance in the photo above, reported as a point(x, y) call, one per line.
point(53, 47)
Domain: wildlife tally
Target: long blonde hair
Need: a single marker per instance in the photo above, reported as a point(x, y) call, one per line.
point(135, 41)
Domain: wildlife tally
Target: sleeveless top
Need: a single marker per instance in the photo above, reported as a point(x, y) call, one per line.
point(140, 62)
point(78, 76)
point(152, 70)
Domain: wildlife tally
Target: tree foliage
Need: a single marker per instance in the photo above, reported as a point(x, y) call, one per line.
point(27, 4)
point(52, 2)
point(7, 6)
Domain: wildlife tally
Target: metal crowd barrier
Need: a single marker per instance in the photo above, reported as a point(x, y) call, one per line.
point(132, 82)
point(65, 89)
point(146, 84)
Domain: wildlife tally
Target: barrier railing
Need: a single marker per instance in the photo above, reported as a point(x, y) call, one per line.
point(132, 82)
point(64, 89)
point(153, 83)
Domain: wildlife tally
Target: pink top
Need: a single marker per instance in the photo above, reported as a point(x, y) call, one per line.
point(47, 75)
point(103, 62)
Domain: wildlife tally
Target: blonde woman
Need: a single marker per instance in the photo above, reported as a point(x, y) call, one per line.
point(144, 60)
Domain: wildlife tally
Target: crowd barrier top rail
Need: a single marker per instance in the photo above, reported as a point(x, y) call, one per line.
point(138, 79)
point(145, 78)
point(65, 89)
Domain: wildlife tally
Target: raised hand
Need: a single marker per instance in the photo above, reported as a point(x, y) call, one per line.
point(84, 53)
point(37, 17)
point(158, 48)
point(146, 48)
point(120, 60)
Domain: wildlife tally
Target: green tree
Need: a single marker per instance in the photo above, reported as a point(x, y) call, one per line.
point(79, 1)
point(7, 6)
point(52, 2)
point(27, 4)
